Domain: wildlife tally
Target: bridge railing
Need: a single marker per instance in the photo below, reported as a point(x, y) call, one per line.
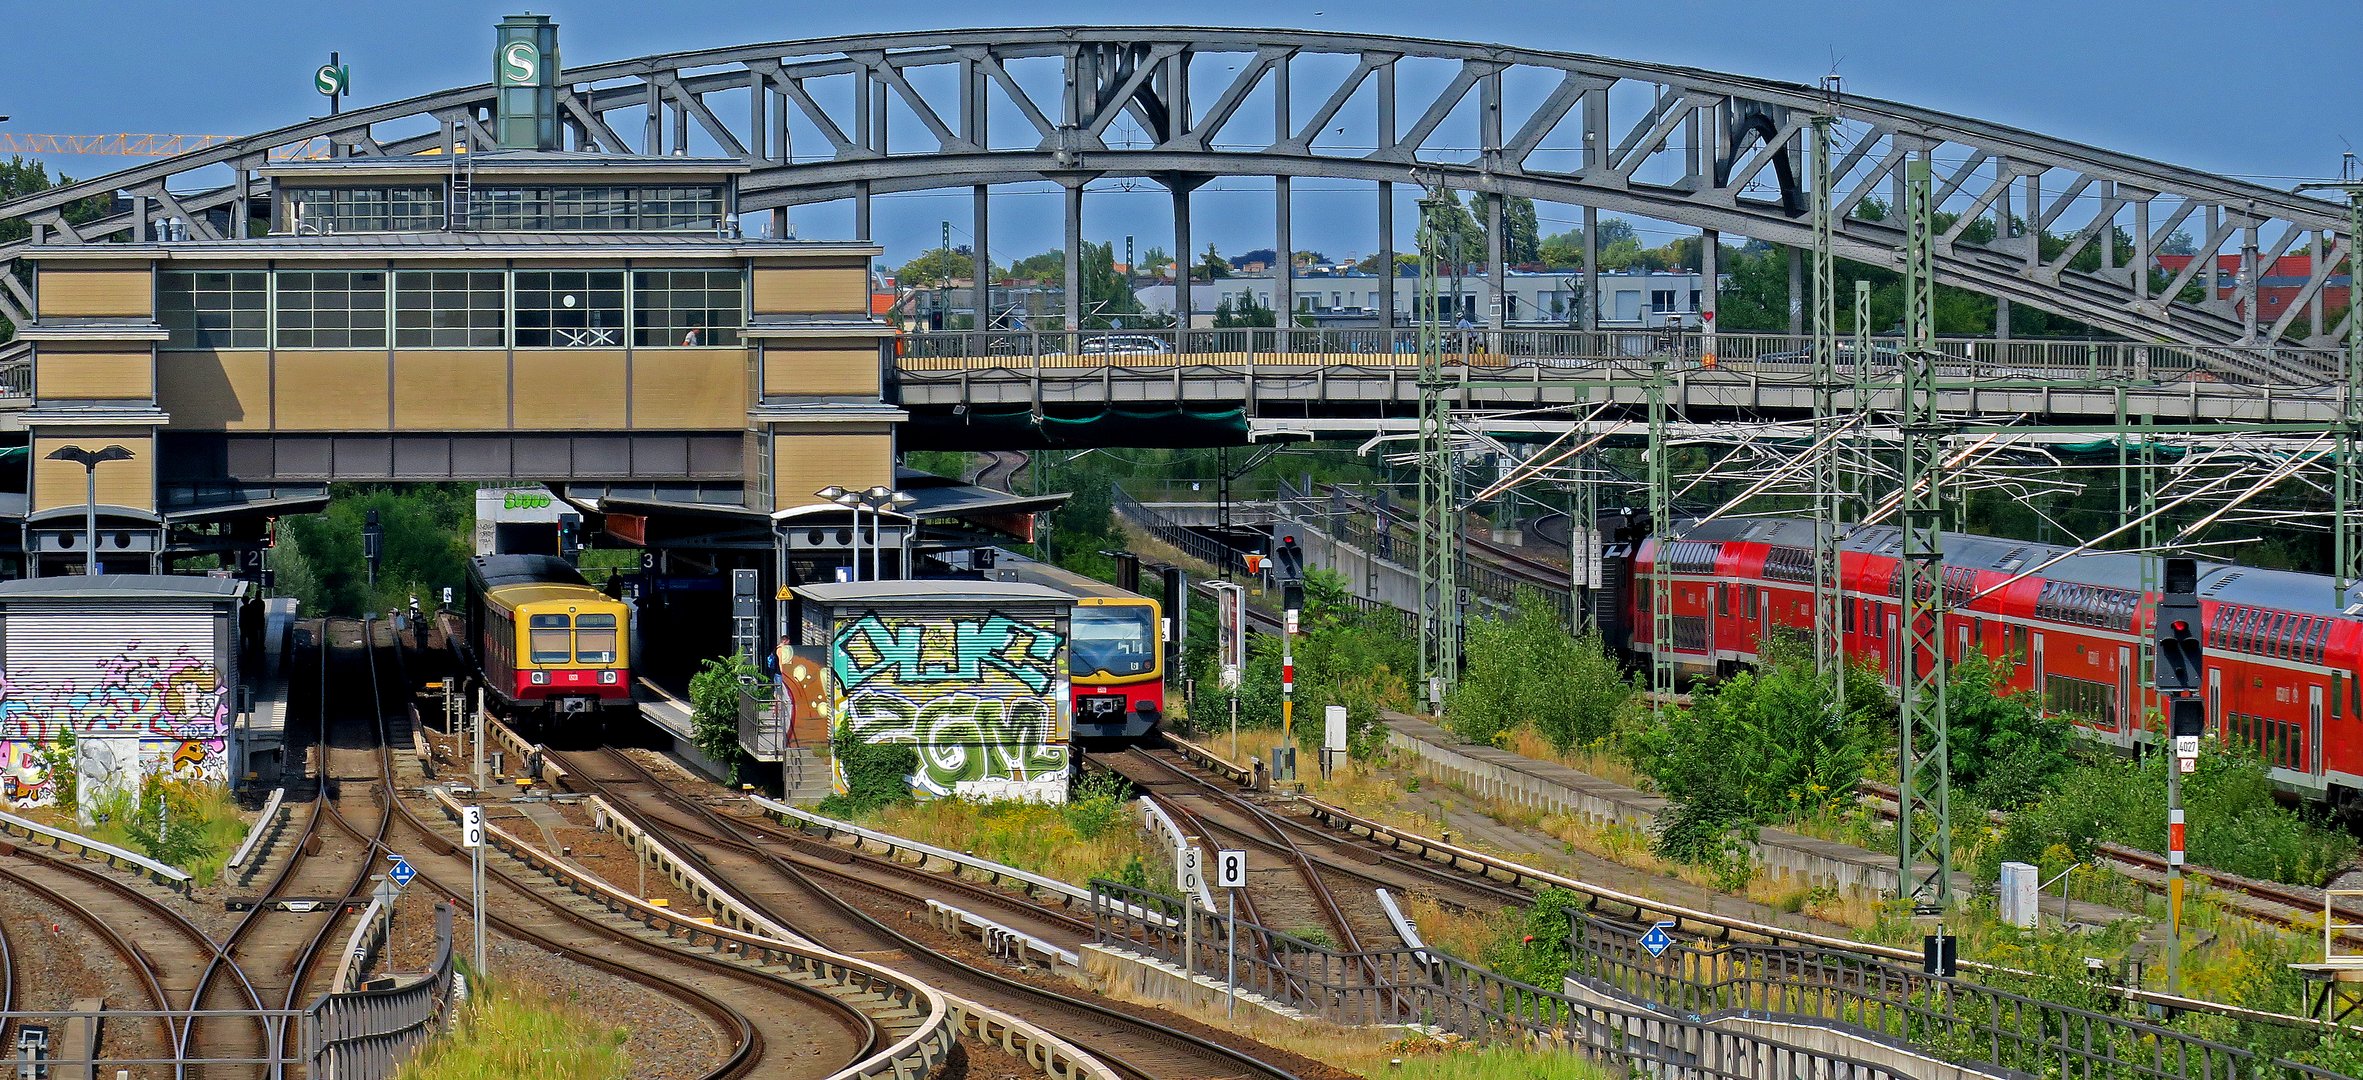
point(1770, 356)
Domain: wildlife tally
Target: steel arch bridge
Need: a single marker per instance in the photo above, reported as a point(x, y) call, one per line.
point(856, 117)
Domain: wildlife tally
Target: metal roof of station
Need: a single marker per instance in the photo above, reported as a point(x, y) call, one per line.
point(123, 587)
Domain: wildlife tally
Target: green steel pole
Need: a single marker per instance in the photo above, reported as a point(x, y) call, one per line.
point(1924, 819)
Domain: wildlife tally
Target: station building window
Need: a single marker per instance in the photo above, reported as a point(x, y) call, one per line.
point(687, 307)
point(570, 309)
point(331, 309)
point(406, 208)
point(449, 309)
point(618, 208)
point(215, 309)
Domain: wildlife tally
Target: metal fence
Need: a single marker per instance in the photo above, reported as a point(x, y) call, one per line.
point(1951, 1018)
point(352, 1035)
point(1189, 541)
point(1399, 986)
point(1772, 356)
point(1385, 534)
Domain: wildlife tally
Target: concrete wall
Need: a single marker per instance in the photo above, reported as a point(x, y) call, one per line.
point(1903, 1060)
point(1501, 775)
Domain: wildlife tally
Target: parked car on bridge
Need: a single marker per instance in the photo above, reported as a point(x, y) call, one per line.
point(1124, 345)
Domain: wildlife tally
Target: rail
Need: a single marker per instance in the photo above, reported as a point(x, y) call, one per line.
point(357, 1034)
point(167, 876)
point(1621, 354)
point(1952, 1017)
point(1441, 993)
point(263, 823)
point(917, 1054)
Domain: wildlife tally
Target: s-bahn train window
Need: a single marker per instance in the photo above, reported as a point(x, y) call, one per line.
point(548, 640)
point(1112, 639)
point(594, 639)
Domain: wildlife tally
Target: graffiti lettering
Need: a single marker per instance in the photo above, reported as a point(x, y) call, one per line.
point(978, 697)
point(139, 713)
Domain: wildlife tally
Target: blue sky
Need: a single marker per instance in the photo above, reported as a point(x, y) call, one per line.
point(2260, 90)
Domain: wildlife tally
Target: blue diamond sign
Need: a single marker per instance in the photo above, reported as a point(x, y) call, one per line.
point(402, 873)
point(1657, 941)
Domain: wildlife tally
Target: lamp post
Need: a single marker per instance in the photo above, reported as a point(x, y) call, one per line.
point(89, 460)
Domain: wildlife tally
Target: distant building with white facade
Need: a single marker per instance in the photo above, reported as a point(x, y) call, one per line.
point(1534, 298)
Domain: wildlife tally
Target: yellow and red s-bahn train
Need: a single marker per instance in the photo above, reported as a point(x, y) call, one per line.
point(1115, 650)
point(547, 644)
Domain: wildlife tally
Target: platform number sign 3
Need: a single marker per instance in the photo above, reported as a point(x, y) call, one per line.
point(471, 826)
point(1230, 868)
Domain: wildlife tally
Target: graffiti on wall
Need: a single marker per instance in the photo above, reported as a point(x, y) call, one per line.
point(137, 714)
point(978, 697)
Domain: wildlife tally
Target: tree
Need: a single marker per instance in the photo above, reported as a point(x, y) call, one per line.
point(1524, 668)
point(713, 699)
point(422, 550)
point(1404, 262)
point(1521, 232)
point(1212, 266)
point(1154, 263)
point(938, 266)
point(1245, 312)
point(1049, 268)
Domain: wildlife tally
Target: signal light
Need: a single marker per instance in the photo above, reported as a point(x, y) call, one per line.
point(2181, 627)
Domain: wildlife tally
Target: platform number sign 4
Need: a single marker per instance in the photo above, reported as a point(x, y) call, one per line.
point(1230, 869)
point(471, 826)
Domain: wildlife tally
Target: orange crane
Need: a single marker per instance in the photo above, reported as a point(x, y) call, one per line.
point(135, 144)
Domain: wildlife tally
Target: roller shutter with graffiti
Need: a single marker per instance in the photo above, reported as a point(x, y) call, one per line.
point(979, 696)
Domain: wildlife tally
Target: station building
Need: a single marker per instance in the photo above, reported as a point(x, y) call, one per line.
point(502, 310)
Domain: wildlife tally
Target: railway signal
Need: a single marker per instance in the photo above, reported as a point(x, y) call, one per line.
point(2176, 630)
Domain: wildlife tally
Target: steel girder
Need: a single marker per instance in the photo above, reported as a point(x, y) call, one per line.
point(959, 108)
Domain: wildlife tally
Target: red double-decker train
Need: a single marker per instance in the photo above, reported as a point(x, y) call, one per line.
point(2282, 653)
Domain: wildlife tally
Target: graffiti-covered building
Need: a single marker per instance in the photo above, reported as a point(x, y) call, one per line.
point(117, 677)
point(973, 674)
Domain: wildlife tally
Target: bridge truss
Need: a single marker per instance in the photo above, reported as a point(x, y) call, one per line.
point(854, 118)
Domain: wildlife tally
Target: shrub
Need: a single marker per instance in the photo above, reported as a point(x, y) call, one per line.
point(713, 701)
point(2234, 822)
point(877, 775)
point(2002, 750)
point(1531, 945)
point(1527, 669)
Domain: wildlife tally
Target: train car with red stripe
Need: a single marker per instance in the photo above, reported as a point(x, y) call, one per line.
point(547, 644)
point(1115, 651)
point(2282, 651)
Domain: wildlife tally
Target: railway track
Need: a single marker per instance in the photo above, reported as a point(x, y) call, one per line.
point(770, 1025)
point(778, 887)
point(2287, 907)
point(1000, 471)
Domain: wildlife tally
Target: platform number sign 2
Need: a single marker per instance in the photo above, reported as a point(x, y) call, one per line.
point(1230, 869)
point(471, 826)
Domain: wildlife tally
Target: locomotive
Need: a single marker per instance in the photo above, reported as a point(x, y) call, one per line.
point(547, 645)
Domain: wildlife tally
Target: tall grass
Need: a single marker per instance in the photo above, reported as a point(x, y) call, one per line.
point(1094, 834)
point(185, 824)
point(1463, 1062)
point(511, 1033)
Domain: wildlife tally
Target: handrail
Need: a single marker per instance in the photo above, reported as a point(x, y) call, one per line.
point(364, 1034)
point(358, 946)
point(930, 1039)
point(262, 823)
point(1155, 818)
point(691, 879)
point(166, 875)
point(998, 873)
point(1404, 927)
point(999, 936)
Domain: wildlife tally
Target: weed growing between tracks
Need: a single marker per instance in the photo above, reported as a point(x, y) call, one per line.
point(1431, 1059)
point(184, 824)
point(513, 1033)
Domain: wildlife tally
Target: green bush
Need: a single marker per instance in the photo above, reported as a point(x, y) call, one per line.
point(877, 775)
point(713, 703)
point(2002, 750)
point(2234, 823)
point(1531, 945)
point(1757, 748)
point(1344, 656)
point(1527, 669)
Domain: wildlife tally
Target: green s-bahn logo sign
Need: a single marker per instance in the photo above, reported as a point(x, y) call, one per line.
point(520, 63)
point(525, 501)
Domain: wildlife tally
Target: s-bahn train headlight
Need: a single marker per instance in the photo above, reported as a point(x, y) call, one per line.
point(607, 677)
point(541, 678)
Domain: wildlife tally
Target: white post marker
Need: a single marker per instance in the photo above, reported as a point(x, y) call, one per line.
point(1230, 875)
point(1187, 873)
point(471, 837)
